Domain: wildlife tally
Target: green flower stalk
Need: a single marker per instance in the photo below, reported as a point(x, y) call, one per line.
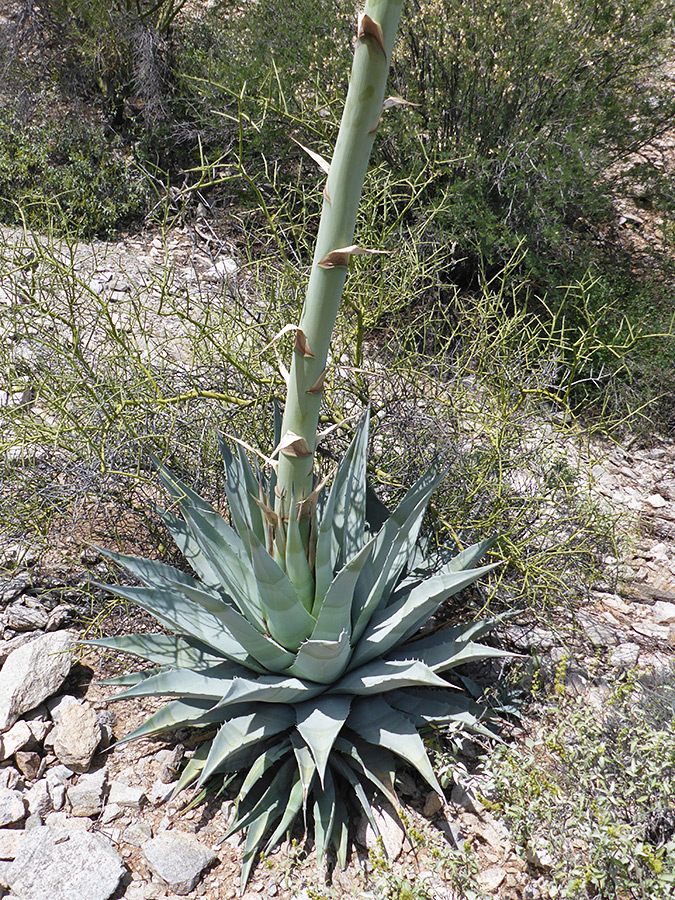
point(376, 33)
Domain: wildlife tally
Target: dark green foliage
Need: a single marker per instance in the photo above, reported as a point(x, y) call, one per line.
point(532, 102)
point(69, 173)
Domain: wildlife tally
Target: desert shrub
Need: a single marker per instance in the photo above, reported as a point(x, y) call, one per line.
point(482, 390)
point(530, 103)
point(590, 791)
point(69, 171)
point(120, 52)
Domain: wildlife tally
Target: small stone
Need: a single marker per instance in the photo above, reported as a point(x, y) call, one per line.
point(656, 501)
point(33, 672)
point(171, 765)
point(126, 795)
point(222, 268)
point(21, 617)
point(539, 857)
point(625, 656)
point(76, 737)
point(137, 890)
point(29, 763)
point(106, 717)
point(12, 806)
point(86, 797)
point(159, 792)
point(137, 834)
point(39, 799)
point(59, 774)
point(38, 724)
point(60, 617)
point(490, 878)
point(178, 859)
point(62, 864)
point(432, 805)
point(14, 739)
point(56, 705)
point(111, 812)
point(10, 778)
point(663, 612)
point(56, 781)
point(650, 630)
point(599, 634)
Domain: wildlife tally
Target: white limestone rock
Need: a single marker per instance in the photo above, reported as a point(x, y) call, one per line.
point(76, 736)
point(33, 672)
point(664, 612)
point(178, 859)
point(14, 739)
point(127, 795)
point(86, 797)
point(12, 807)
point(64, 863)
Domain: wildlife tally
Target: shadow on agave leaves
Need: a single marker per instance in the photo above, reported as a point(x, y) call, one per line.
point(312, 672)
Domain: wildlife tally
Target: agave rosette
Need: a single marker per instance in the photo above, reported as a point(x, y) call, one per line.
point(311, 673)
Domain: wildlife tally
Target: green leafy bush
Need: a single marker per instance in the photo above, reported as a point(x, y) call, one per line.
point(594, 790)
point(69, 174)
point(531, 103)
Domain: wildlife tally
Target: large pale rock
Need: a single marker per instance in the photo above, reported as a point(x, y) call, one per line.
point(76, 736)
point(179, 859)
point(63, 864)
point(33, 672)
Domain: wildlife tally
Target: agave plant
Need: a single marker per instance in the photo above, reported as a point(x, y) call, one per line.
point(296, 645)
point(315, 686)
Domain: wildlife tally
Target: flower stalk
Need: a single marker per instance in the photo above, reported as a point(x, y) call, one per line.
point(376, 33)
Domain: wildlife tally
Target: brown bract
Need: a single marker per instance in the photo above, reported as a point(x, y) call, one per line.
point(340, 257)
point(369, 28)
